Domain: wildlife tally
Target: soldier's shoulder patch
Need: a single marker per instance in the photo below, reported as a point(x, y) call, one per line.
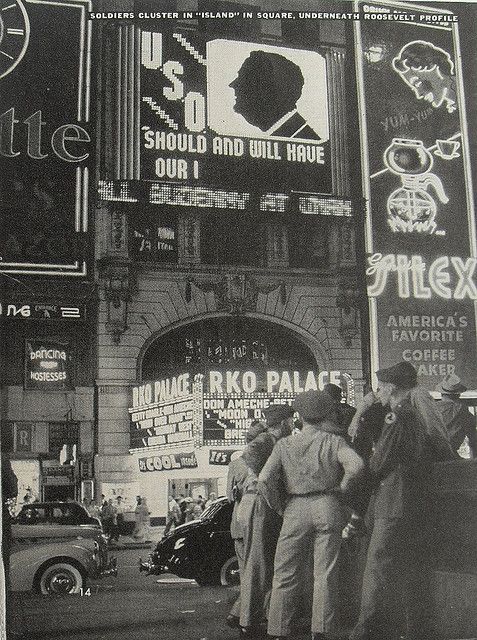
point(390, 418)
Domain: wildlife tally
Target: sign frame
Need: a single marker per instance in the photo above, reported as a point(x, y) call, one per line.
point(76, 268)
point(370, 250)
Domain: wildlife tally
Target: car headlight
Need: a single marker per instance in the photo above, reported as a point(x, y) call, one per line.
point(180, 542)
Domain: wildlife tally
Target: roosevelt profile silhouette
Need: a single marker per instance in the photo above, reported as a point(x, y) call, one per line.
point(267, 89)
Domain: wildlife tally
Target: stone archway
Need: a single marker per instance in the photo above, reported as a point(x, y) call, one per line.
point(217, 339)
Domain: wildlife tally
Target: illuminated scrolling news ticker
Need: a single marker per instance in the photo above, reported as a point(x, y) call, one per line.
point(220, 113)
point(45, 139)
point(420, 231)
point(216, 408)
point(177, 196)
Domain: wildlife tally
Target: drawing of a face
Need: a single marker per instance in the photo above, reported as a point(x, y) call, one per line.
point(429, 85)
point(429, 72)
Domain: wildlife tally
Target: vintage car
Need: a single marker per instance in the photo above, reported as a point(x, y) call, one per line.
point(58, 566)
point(202, 549)
point(64, 513)
point(56, 520)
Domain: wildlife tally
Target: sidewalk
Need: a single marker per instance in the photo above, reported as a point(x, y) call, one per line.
point(128, 542)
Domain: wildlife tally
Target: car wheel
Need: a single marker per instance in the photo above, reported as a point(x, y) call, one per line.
point(60, 578)
point(229, 573)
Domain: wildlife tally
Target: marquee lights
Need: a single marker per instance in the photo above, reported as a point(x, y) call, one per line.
point(203, 198)
point(218, 407)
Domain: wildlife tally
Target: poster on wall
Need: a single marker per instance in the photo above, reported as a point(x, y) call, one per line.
point(420, 230)
point(216, 408)
point(45, 136)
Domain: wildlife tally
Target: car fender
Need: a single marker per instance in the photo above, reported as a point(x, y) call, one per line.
point(27, 558)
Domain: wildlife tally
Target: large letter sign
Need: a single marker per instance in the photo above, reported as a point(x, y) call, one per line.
point(45, 140)
point(420, 228)
point(224, 117)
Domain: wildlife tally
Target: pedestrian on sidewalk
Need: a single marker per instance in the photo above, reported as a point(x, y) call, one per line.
point(143, 521)
point(174, 515)
point(458, 421)
point(107, 518)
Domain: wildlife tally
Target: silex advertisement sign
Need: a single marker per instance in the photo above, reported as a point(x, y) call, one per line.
point(215, 409)
point(45, 141)
point(420, 230)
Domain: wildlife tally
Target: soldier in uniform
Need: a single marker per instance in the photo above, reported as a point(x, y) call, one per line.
point(397, 568)
point(304, 479)
point(236, 476)
point(261, 525)
point(344, 410)
point(458, 420)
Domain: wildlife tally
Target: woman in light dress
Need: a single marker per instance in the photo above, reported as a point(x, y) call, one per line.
point(143, 520)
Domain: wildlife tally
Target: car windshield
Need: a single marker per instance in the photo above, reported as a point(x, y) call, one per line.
point(212, 510)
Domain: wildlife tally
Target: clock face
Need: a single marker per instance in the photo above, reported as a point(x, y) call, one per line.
point(14, 34)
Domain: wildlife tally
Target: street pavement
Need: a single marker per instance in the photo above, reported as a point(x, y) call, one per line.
point(132, 605)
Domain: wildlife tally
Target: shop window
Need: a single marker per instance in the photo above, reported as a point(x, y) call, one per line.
point(235, 241)
point(63, 437)
point(308, 246)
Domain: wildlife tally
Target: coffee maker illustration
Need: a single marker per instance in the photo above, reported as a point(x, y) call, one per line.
point(410, 207)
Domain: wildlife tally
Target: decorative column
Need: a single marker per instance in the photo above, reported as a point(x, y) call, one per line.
point(335, 60)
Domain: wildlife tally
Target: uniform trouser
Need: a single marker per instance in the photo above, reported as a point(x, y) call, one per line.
point(396, 583)
point(238, 543)
point(309, 523)
point(261, 529)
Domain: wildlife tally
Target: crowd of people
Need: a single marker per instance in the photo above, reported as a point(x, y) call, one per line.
point(301, 493)
point(110, 512)
point(182, 509)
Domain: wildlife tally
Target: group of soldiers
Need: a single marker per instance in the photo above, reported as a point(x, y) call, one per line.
point(298, 496)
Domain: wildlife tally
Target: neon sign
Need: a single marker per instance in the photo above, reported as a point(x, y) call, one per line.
point(216, 408)
point(416, 279)
point(411, 207)
point(421, 237)
point(206, 113)
point(45, 148)
point(429, 71)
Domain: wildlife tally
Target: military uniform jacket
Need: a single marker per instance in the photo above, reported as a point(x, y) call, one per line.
point(236, 476)
point(257, 452)
point(401, 465)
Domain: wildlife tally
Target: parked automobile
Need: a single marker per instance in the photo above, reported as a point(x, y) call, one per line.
point(201, 549)
point(57, 521)
point(64, 513)
point(58, 566)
